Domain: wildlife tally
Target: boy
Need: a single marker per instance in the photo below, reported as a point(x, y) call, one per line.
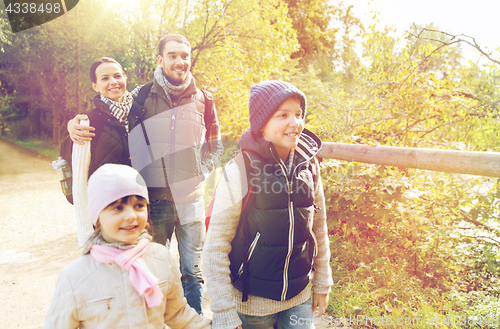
point(258, 268)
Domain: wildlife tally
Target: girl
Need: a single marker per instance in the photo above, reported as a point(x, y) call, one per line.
point(258, 267)
point(122, 280)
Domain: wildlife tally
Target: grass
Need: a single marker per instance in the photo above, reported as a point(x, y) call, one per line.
point(381, 294)
point(43, 148)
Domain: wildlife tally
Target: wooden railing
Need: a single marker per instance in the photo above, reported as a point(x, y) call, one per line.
point(460, 162)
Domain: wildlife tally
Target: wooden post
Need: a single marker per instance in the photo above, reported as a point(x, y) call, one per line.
point(460, 162)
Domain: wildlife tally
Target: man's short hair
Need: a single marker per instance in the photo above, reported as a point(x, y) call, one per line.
point(172, 37)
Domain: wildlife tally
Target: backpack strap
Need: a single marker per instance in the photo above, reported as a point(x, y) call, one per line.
point(143, 93)
point(209, 101)
point(241, 161)
point(207, 118)
point(248, 202)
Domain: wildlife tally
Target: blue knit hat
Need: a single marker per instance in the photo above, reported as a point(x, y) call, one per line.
point(265, 99)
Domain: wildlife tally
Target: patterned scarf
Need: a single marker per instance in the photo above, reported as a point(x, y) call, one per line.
point(121, 109)
point(169, 88)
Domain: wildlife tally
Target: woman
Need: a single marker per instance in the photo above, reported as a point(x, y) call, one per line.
point(114, 115)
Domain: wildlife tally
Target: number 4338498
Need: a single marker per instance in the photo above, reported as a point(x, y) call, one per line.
point(33, 8)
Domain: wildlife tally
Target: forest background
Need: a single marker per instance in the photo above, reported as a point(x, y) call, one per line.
point(405, 243)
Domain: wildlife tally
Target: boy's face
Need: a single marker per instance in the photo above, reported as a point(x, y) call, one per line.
point(110, 81)
point(285, 126)
point(124, 220)
point(175, 61)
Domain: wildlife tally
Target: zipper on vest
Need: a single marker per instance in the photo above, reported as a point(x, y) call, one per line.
point(289, 183)
point(250, 252)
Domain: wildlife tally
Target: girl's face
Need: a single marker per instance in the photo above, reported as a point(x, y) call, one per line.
point(285, 126)
point(110, 82)
point(124, 220)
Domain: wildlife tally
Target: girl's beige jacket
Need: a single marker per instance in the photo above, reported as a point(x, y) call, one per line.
point(90, 294)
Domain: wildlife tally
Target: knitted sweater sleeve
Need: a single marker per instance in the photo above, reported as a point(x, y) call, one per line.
point(322, 277)
point(222, 229)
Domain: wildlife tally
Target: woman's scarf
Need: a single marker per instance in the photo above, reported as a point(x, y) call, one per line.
point(169, 88)
point(143, 281)
point(121, 109)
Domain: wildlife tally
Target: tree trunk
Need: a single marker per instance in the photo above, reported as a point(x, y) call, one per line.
point(56, 131)
point(36, 122)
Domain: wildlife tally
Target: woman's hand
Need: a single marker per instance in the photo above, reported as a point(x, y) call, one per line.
point(319, 304)
point(78, 133)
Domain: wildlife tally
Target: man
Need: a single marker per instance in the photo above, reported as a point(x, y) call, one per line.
point(175, 149)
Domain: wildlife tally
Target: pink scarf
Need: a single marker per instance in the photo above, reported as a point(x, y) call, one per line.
point(144, 282)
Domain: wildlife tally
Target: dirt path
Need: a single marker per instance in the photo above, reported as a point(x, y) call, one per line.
point(38, 236)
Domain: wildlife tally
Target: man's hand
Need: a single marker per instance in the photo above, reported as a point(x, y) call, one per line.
point(319, 304)
point(78, 133)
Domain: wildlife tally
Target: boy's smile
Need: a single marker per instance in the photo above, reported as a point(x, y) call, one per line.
point(124, 220)
point(285, 126)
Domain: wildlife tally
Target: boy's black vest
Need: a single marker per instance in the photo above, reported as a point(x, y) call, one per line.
point(277, 233)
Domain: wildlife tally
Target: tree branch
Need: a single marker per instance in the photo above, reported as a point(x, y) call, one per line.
point(459, 38)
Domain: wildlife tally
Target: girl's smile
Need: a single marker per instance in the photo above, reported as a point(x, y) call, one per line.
point(124, 220)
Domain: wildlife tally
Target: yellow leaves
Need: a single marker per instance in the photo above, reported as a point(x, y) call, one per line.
point(461, 114)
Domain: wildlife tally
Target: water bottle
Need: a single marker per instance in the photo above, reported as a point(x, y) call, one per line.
point(64, 174)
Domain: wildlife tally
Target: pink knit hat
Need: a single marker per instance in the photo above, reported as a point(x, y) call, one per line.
point(111, 182)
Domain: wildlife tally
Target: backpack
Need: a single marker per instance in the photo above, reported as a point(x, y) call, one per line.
point(66, 150)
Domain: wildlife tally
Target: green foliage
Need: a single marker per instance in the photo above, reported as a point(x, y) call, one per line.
point(396, 100)
point(405, 243)
point(248, 42)
point(234, 43)
point(326, 33)
point(412, 243)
